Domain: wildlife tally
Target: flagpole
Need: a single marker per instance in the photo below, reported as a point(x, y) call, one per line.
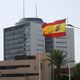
point(23, 8)
point(69, 70)
point(36, 9)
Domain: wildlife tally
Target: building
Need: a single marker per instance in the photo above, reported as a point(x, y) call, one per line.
point(25, 38)
point(28, 69)
point(65, 43)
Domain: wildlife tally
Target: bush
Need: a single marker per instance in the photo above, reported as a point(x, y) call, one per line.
point(64, 77)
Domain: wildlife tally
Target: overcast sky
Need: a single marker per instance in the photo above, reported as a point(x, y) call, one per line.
point(11, 11)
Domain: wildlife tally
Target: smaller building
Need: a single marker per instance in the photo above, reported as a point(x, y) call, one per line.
point(30, 68)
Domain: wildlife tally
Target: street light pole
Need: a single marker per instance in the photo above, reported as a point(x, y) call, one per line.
point(69, 70)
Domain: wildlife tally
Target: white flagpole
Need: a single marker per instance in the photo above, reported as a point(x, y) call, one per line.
point(23, 8)
point(68, 51)
point(36, 9)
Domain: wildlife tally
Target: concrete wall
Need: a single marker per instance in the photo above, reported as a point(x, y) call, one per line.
point(38, 69)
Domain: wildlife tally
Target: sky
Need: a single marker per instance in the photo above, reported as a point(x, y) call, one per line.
point(11, 11)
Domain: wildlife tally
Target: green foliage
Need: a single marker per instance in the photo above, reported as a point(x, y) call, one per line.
point(64, 77)
point(58, 58)
point(76, 72)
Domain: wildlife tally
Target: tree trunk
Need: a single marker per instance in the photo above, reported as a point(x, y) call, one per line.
point(51, 72)
point(58, 73)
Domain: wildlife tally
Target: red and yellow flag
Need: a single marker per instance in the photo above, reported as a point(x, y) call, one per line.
point(54, 29)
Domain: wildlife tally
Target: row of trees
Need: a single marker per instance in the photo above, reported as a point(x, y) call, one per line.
point(58, 59)
point(76, 72)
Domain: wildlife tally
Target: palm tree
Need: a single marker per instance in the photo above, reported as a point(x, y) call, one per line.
point(76, 72)
point(57, 58)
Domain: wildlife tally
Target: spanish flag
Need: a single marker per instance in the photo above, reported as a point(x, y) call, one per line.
point(54, 29)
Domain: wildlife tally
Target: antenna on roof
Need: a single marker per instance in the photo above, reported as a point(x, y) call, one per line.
point(36, 9)
point(23, 8)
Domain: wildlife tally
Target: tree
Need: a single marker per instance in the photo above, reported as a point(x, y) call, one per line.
point(76, 72)
point(58, 58)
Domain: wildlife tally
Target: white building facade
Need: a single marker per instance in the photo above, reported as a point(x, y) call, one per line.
point(65, 43)
point(24, 39)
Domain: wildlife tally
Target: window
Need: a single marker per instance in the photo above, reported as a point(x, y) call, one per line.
point(61, 46)
point(13, 67)
point(62, 42)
